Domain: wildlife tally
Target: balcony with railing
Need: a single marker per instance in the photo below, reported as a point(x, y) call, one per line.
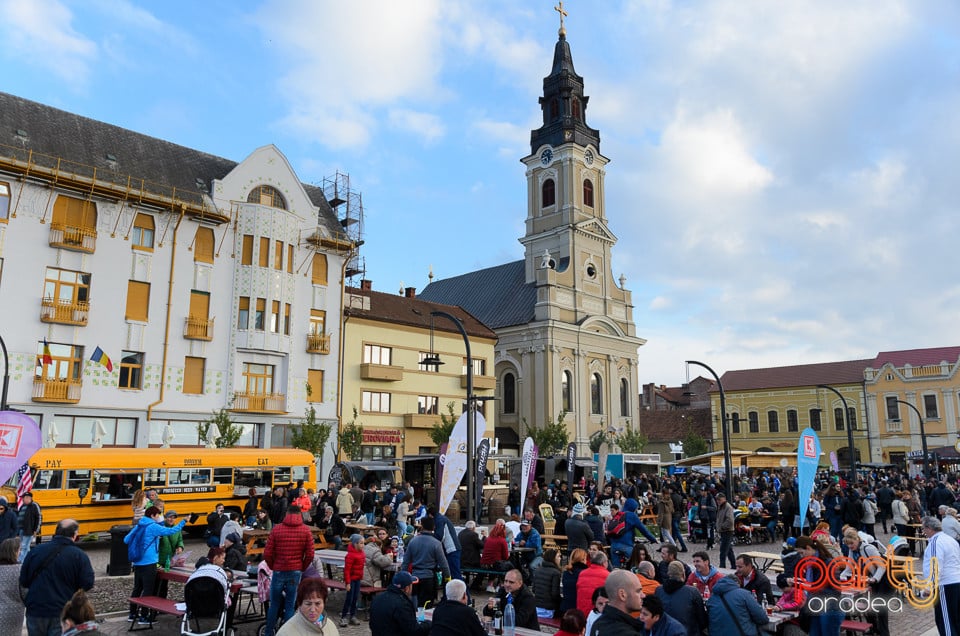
point(420, 420)
point(386, 372)
point(65, 391)
point(318, 343)
point(64, 312)
point(78, 239)
point(198, 328)
point(259, 402)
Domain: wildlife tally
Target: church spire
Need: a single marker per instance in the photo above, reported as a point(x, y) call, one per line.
point(563, 103)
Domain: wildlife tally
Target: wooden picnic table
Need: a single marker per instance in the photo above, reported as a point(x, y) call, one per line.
point(252, 539)
point(763, 560)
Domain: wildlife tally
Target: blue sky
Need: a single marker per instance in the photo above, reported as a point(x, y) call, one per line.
point(783, 179)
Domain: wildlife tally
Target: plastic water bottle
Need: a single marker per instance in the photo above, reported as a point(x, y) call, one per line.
point(509, 620)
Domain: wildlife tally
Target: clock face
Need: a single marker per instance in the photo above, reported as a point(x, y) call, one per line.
point(588, 157)
point(546, 156)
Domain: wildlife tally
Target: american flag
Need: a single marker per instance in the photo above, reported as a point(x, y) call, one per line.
point(25, 484)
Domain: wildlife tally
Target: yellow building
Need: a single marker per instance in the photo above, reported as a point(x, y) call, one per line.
point(398, 399)
point(768, 408)
point(929, 380)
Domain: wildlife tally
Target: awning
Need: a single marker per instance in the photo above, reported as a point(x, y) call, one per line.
point(714, 459)
point(772, 460)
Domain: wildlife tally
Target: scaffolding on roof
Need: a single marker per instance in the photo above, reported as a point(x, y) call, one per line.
point(347, 204)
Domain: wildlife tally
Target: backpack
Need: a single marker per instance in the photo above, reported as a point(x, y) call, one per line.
point(135, 544)
point(618, 526)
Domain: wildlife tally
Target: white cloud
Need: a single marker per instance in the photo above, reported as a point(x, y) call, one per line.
point(42, 34)
point(425, 125)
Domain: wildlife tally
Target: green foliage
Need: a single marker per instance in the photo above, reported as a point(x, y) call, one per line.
point(311, 435)
point(694, 444)
point(553, 438)
point(227, 433)
point(351, 438)
point(632, 441)
point(597, 439)
point(442, 430)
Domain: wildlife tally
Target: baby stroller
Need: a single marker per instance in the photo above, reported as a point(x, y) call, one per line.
point(205, 595)
point(695, 528)
point(743, 530)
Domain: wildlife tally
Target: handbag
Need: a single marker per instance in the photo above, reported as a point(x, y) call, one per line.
point(24, 590)
point(732, 615)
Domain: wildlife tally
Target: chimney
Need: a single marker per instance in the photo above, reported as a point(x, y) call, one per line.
point(410, 292)
point(366, 285)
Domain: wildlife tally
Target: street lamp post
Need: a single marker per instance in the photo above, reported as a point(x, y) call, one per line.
point(851, 450)
point(6, 376)
point(471, 413)
point(727, 461)
point(923, 439)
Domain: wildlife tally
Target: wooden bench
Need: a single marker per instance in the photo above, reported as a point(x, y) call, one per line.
point(367, 592)
point(549, 622)
point(856, 627)
point(334, 584)
point(475, 572)
point(155, 604)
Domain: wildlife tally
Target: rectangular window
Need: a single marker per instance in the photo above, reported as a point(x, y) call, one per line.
point(852, 416)
point(258, 315)
point(753, 420)
point(319, 274)
point(376, 453)
point(264, 252)
point(792, 421)
point(315, 384)
point(815, 419)
point(428, 404)
point(930, 407)
point(734, 422)
point(773, 421)
point(243, 313)
point(258, 378)
point(131, 370)
point(193, 375)
point(429, 368)
point(66, 362)
point(318, 322)
point(275, 316)
point(138, 301)
point(286, 319)
point(375, 402)
point(290, 258)
point(143, 231)
point(4, 202)
point(246, 251)
point(893, 408)
point(838, 419)
point(278, 255)
point(376, 354)
point(199, 304)
point(66, 287)
point(479, 367)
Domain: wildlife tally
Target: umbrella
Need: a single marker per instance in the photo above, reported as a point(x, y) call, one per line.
point(52, 435)
point(98, 434)
point(168, 435)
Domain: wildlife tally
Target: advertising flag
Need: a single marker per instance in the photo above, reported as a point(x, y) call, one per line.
point(527, 460)
point(483, 451)
point(834, 461)
point(20, 438)
point(571, 461)
point(602, 466)
point(808, 457)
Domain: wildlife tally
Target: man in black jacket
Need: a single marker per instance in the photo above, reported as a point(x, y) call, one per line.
point(453, 617)
point(579, 534)
point(753, 581)
point(625, 596)
point(471, 545)
point(393, 613)
point(368, 503)
point(524, 604)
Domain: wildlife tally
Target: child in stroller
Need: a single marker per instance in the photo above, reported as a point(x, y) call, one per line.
point(207, 597)
point(695, 530)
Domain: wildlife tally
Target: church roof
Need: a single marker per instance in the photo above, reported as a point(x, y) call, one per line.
point(498, 296)
point(87, 144)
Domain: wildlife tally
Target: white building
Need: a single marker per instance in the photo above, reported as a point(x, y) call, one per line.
point(208, 284)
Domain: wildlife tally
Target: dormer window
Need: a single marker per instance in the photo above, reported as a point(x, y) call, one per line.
point(588, 193)
point(548, 193)
point(267, 195)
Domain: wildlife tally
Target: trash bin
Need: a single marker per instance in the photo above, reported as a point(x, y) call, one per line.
point(119, 564)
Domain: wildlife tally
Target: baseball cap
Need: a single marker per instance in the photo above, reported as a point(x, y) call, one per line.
point(403, 579)
point(525, 522)
point(170, 513)
point(792, 542)
point(233, 538)
point(578, 509)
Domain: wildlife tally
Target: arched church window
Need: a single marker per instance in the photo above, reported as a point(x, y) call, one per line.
point(565, 402)
point(624, 397)
point(596, 394)
point(509, 393)
point(588, 193)
point(548, 193)
point(267, 195)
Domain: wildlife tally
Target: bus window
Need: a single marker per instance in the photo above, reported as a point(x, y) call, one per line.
point(246, 478)
point(109, 484)
point(281, 475)
point(189, 476)
point(48, 480)
point(223, 476)
point(78, 478)
point(300, 473)
point(154, 478)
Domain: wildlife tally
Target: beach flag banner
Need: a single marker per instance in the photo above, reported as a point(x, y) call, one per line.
point(571, 462)
point(20, 438)
point(47, 356)
point(102, 358)
point(527, 460)
point(808, 458)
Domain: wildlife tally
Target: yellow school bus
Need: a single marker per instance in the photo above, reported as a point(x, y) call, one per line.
point(95, 486)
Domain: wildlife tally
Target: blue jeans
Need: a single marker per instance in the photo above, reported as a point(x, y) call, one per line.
point(37, 626)
point(370, 517)
point(26, 542)
point(283, 589)
point(350, 603)
point(827, 623)
point(677, 535)
point(453, 561)
point(726, 549)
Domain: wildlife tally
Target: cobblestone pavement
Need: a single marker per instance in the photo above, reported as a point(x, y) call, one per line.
point(111, 592)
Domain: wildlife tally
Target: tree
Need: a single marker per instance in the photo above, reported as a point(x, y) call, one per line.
point(351, 438)
point(598, 438)
point(694, 444)
point(227, 433)
point(442, 430)
point(552, 438)
point(312, 435)
point(632, 441)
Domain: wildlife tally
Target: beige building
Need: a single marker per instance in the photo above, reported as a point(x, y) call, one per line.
point(397, 398)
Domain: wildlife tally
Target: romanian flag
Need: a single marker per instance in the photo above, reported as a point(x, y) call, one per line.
point(102, 358)
point(47, 356)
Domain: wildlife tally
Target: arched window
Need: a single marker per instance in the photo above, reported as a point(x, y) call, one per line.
point(588, 193)
point(548, 193)
point(509, 393)
point(596, 394)
point(203, 245)
point(565, 402)
point(319, 269)
point(143, 231)
point(267, 195)
point(554, 109)
point(624, 397)
point(576, 108)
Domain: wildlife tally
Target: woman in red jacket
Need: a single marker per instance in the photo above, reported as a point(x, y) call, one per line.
point(352, 575)
point(494, 551)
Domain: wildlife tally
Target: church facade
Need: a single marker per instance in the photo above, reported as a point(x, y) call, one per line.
point(567, 344)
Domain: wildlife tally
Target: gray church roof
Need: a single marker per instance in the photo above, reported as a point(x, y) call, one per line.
point(497, 296)
point(86, 143)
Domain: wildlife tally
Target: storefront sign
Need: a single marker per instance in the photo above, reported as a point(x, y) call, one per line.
point(382, 436)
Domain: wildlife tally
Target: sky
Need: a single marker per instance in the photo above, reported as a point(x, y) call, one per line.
point(783, 179)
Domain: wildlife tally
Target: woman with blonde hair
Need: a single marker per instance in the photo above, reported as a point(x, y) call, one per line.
point(139, 506)
point(568, 579)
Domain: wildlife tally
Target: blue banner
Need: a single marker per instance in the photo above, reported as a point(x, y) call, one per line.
point(808, 458)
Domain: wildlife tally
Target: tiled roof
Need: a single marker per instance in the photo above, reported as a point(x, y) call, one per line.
point(80, 140)
point(846, 372)
point(917, 357)
point(670, 426)
point(414, 312)
point(498, 296)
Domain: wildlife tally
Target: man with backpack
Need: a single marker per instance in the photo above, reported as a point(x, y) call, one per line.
point(143, 549)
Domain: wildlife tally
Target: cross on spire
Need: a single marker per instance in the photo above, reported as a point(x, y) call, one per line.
point(563, 14)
